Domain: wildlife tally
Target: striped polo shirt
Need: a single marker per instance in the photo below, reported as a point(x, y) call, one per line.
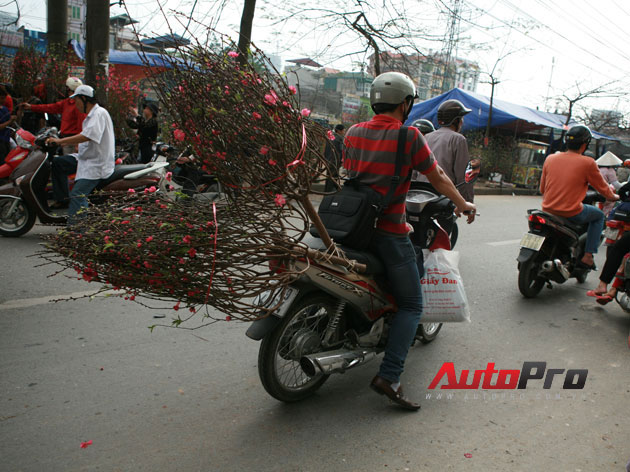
point(370, 156)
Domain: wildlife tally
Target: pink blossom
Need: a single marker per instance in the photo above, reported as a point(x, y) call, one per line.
point(192, 252)
point(269, 99)
point(292, 89)
point(330, 135)
point(257, 115)
point(149, 239)
point(233, 54)
point(131, 190)
point(305, 112)
point(272, 162)
point(280, 201)
point(176, 307)
point(179, 135)
point(168, 176)
point(187, 239)
point(118, 161)
point(264, 150)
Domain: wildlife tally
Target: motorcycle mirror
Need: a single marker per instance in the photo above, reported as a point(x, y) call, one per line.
point(472, 170)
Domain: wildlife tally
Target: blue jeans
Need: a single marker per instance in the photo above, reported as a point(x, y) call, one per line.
point(399, 258)
point(78, 197)
point(62, 167)
point(595, 219)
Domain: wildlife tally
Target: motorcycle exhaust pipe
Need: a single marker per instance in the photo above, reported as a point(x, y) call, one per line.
point(562, 269)
point(548, 266)
point(335, 361)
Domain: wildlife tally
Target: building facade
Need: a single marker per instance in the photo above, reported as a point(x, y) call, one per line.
point(431, 73)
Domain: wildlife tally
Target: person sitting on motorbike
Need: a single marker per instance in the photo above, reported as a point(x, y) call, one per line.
point(450, 146)
point(71, 117)
point(369, 156)
point(564, 182)
point(96, 158)
point(614, 258)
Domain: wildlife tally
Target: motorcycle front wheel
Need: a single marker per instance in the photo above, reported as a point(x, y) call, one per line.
point(529, 283)
point(16, 217)
point(300, 333)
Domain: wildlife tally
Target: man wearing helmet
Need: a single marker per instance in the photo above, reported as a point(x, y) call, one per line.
point(370, 156)
point(449, 145)
point(564, 182)
point(71, 118)
point(95, 160)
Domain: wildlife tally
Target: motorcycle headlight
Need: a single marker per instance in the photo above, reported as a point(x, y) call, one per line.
point(23, 143)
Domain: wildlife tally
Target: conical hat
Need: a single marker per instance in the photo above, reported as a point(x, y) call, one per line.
point(608, 160)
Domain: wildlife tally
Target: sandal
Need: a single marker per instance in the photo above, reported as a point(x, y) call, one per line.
point(593, 293)
point(604, 299)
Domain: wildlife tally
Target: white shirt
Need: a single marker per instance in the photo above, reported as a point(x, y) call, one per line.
point(96, 158)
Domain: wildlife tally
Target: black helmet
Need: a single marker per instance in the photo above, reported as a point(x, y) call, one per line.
point(424, 125)
point(578, 135)
point(449, 110)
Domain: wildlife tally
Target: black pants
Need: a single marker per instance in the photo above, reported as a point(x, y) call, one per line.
point(614, 257)
point(146, 152)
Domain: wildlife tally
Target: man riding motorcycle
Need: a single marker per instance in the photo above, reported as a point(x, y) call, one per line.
point(370, 157)
point(564, 182)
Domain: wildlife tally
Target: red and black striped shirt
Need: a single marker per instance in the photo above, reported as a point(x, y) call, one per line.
point(370, 156)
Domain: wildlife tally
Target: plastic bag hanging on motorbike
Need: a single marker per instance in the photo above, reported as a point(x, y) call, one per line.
point(443, 296)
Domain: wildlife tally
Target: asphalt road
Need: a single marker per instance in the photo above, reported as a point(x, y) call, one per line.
point(176, 400)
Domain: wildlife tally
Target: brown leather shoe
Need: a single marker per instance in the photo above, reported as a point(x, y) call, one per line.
point(383, 387)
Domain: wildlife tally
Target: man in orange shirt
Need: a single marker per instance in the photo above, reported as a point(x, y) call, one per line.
point(564, 182)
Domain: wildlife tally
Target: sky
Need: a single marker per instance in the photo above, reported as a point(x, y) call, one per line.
point(544, 48)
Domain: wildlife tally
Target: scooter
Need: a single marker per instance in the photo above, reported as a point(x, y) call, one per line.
point(331, 320)
point(24, 198)
point(552, 250)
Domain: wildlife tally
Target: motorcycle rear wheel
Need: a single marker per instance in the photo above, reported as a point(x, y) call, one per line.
point(19, 222)
point(300, 333)
point(529, 284)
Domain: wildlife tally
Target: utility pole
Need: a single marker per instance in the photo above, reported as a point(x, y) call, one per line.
point(493, 81)
point(57, 25)
point(452, 37)
point(97, 46)
point(553, 63)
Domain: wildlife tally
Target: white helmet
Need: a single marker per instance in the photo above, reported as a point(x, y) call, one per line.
point(72, 83)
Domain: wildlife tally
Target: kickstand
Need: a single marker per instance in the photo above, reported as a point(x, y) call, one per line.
point(549, 286)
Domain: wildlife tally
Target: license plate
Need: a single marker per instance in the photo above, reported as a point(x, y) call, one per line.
point(611, 233)
point(265, 300)
point(532, 241)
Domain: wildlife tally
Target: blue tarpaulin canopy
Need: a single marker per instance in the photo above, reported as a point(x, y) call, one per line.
point(503, 113)
point(132, 58)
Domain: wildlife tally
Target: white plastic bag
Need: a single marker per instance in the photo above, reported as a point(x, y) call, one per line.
point(443, 295)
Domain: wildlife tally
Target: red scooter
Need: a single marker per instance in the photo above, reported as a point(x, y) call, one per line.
point(24, 198)
point(25, 142)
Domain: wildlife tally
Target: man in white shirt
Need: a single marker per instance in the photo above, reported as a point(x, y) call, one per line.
point(96, 157)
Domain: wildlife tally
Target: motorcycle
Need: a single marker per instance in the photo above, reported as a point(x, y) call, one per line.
point(185, 178)
point(551, 250)
point(331, 320)
point(25, 198)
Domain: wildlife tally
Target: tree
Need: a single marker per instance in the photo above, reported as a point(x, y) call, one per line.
point(573, 96)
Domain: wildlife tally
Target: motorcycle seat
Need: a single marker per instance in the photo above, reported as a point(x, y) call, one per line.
point(373, 263)
point(579, 229)
point(120, 172)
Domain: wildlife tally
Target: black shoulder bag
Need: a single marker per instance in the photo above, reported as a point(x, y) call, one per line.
point(350, 215)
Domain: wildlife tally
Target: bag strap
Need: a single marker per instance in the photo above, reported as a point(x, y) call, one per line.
point(395, 181)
